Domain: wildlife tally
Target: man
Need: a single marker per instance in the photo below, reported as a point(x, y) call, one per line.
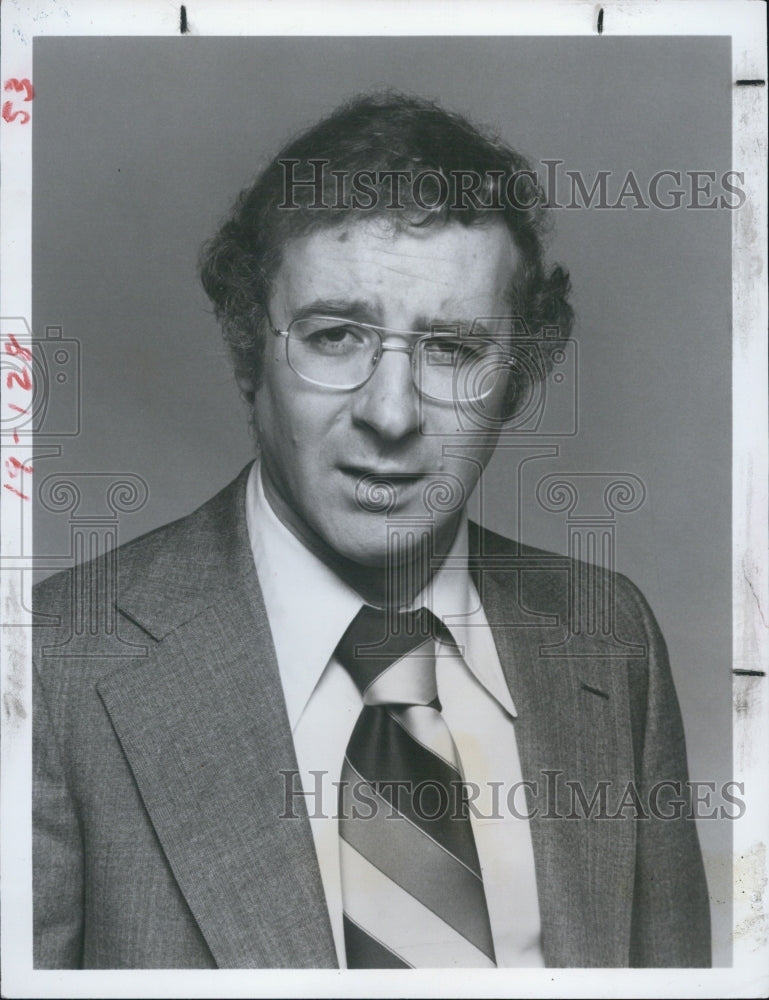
point(322, 655)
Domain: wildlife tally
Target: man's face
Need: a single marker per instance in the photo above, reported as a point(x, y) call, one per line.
point(318, 444)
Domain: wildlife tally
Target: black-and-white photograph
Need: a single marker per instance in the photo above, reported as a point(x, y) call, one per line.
point(370, 436)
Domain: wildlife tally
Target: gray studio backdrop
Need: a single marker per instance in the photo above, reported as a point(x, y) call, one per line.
point(139, 148)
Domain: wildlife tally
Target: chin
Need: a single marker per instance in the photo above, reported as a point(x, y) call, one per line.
point(376, 550)
point(370, 552)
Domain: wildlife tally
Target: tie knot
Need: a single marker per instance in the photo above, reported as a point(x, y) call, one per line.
point(391, 655)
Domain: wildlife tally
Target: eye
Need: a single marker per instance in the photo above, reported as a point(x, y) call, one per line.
point(341, 338)
point(453, 351)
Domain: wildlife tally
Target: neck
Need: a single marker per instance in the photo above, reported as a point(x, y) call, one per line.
point(403, 573)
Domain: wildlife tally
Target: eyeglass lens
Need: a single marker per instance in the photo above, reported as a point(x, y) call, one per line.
point(341, 354)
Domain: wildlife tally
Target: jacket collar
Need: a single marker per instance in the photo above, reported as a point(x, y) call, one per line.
point(203, 558)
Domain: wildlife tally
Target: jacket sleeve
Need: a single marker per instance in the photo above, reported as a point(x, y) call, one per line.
point(671, 910)
point(57, 856)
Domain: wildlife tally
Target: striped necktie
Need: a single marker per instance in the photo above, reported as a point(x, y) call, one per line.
point(411, 881)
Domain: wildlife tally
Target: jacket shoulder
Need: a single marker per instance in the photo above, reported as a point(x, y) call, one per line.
point(175, 553)
point(548, 582)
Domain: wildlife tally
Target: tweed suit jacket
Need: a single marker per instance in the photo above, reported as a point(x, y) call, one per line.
point(159, 747)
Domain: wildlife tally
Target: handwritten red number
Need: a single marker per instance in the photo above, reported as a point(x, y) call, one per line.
point(10, 115)
point(15, 348)
point(17, 492)
point(14, 467)
point(18, 85)
point(23, 380)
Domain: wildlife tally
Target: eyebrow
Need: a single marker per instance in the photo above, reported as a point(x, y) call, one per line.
point(449, 325)
point(357, 309)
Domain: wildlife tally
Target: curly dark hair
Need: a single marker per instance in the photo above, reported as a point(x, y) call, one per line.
point(378, 134)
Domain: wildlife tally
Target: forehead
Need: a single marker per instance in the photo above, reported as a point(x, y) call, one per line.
point(388, 272)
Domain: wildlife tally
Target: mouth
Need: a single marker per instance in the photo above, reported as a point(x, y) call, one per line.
point(393, 476)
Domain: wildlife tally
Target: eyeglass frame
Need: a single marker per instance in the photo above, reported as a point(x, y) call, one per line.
point(421, 336)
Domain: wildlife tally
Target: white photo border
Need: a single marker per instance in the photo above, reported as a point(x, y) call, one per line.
point(744, 21)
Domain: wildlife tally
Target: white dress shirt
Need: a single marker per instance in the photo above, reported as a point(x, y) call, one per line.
point(309, 608)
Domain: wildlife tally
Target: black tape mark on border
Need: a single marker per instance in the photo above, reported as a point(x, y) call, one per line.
point(592, 690)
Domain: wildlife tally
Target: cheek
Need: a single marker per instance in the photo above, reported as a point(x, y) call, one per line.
point(293, 424)
point(274, 420)
point(469, 468)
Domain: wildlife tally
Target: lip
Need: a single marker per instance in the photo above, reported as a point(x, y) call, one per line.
point(399, 475)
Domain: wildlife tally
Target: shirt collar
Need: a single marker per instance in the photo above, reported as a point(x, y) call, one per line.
point(453, 598)
point(308, 606)
point(292, 578)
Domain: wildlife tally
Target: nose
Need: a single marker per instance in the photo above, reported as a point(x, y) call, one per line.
point(389, 403)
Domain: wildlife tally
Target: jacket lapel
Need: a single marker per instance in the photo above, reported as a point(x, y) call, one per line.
point(572, 721)
point(203, 724)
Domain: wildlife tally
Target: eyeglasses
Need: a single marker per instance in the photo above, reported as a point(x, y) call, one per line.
point(338, 353)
